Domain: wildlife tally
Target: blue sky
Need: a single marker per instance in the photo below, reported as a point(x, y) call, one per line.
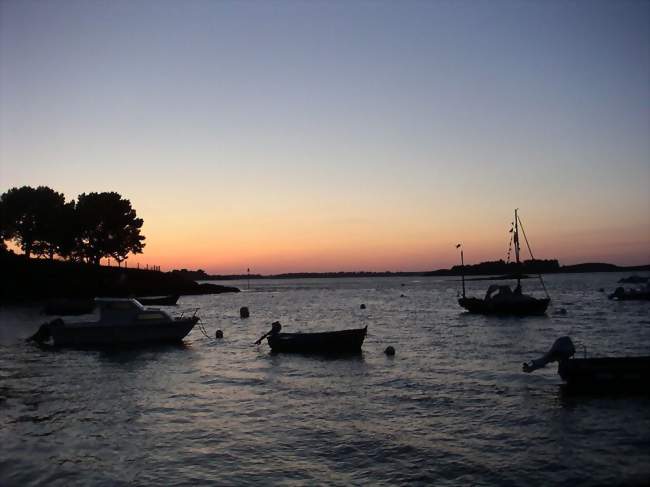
point(349, 133)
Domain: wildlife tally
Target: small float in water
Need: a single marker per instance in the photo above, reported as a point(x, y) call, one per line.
point(121, 321)
point(602, 374)
point(328, 342)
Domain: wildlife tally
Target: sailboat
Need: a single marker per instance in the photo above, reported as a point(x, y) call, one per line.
point(500, 299)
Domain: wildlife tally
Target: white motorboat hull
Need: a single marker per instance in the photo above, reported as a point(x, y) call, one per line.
point(81, 335)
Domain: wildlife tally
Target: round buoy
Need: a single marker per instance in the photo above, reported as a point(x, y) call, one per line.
point(243, 312)
point(363, 306)
point(218, 334)
point(390, 351)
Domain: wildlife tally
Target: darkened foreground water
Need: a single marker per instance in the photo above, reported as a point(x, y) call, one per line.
point(452, 407)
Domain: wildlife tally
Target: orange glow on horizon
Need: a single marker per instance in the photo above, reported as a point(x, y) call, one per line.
point(379, 250)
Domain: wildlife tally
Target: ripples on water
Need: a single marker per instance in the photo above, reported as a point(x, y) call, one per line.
point(452, 407)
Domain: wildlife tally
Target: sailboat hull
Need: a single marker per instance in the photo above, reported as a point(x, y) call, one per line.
point(525, 306)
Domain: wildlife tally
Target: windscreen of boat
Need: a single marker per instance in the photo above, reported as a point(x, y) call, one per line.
point(118, 311)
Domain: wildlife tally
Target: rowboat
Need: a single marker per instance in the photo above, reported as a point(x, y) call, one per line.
point(329, 342)
point(121, 321)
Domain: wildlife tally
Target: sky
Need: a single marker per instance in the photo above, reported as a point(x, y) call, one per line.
point(289, 136)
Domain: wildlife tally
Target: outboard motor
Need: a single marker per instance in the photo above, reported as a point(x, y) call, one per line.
point(562, 349)
point(275, 329)
point(44, 334)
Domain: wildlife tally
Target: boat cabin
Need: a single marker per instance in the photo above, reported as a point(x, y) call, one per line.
point(126, 311)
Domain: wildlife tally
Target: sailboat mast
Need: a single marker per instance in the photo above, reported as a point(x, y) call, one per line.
point(462, 270)
point(516, 240)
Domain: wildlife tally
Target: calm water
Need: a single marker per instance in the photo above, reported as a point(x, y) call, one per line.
point(451, 408)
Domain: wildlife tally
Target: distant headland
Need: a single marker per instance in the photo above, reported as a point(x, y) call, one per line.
point(490, 268)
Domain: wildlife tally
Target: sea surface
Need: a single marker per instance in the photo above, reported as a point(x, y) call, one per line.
point(452, 407)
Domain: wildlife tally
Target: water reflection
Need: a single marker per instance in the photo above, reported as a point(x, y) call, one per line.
point(142, 354)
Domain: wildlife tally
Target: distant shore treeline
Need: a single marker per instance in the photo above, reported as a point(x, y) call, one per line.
point(40, 222)
point(491, 268)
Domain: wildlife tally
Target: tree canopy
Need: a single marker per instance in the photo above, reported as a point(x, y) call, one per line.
point(30, 216)
point(97, 225)
point(107, 227)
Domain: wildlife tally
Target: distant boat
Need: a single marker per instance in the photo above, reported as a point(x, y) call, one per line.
point(122, 321)
point(159, 300)
point(639, 294)
point(601, 374)
point(500, 299)
point(69, 307)
point(329, 342)
point(634, 280)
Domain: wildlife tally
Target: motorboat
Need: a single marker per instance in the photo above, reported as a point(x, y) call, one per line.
point(122, 321)
point(641, 293)
point(601, 374)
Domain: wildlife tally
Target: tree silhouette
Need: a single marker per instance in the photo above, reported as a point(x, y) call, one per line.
point(65, 238)
point(4, 231)
point(107, 226)
point(30, 217)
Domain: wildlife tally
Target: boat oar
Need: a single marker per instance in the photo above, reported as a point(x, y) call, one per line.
point(275, 328)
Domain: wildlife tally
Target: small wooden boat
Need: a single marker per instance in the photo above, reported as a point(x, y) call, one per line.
point(121, 322)
point(604, 374)
point(159, 300)
point(501, 300)
point(329, 342)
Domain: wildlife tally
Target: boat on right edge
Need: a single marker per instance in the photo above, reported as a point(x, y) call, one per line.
point(500, 299)
point(599, 374)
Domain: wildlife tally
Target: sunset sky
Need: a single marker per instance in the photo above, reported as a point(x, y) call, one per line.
point(325, 136)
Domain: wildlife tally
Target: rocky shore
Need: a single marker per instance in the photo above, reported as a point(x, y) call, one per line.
point(27, 280)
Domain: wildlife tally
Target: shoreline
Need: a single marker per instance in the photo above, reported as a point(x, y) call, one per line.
point(33, 280)
point(470, 274)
